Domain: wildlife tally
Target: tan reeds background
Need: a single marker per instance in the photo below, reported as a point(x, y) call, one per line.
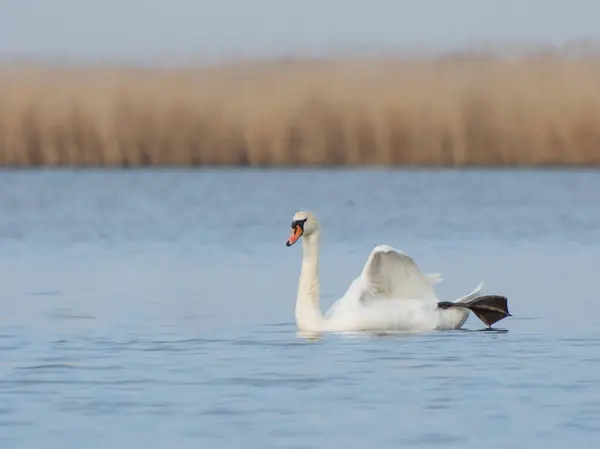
point(452, 112)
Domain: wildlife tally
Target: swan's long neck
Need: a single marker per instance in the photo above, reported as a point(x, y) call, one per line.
point(308, 305)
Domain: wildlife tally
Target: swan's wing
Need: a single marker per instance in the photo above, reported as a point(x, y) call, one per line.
point(390, 273)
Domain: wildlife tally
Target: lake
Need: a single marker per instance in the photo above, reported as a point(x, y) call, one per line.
point(155, 309)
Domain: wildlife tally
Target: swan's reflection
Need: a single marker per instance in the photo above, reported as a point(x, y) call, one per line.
point(312, 337)
point(309, 337)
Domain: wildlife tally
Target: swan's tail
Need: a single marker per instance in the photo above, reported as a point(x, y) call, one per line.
point(471, 296)
point(488, 308)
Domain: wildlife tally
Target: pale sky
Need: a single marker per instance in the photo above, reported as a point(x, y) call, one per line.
point(145, 29)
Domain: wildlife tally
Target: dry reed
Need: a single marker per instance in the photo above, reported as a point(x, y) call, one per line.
point(445, 112)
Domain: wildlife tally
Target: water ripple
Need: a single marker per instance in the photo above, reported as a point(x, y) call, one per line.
point(155, 309)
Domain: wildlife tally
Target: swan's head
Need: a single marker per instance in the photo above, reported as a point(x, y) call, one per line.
point(304, 223)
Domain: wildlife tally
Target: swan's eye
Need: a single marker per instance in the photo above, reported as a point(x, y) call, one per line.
point(298, 223)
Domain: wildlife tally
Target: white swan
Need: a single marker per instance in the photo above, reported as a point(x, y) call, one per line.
point(391, 293)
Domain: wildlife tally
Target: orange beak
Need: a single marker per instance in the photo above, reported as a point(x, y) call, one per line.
point(296, 233)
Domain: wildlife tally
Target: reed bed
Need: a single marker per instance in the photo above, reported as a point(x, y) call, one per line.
point(431, 112)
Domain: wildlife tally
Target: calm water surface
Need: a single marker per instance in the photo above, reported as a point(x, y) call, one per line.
point(154, 309)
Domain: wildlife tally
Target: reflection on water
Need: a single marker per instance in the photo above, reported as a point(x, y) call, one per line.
point(155, 309)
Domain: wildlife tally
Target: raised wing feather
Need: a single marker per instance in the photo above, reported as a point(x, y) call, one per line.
point(393, 274)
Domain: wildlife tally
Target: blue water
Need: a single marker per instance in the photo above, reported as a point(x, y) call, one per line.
point(154, 309)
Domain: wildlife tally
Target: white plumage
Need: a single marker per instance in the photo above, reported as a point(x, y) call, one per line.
point(391, 293)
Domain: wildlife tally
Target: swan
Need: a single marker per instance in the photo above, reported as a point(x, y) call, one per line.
point(390, 294)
